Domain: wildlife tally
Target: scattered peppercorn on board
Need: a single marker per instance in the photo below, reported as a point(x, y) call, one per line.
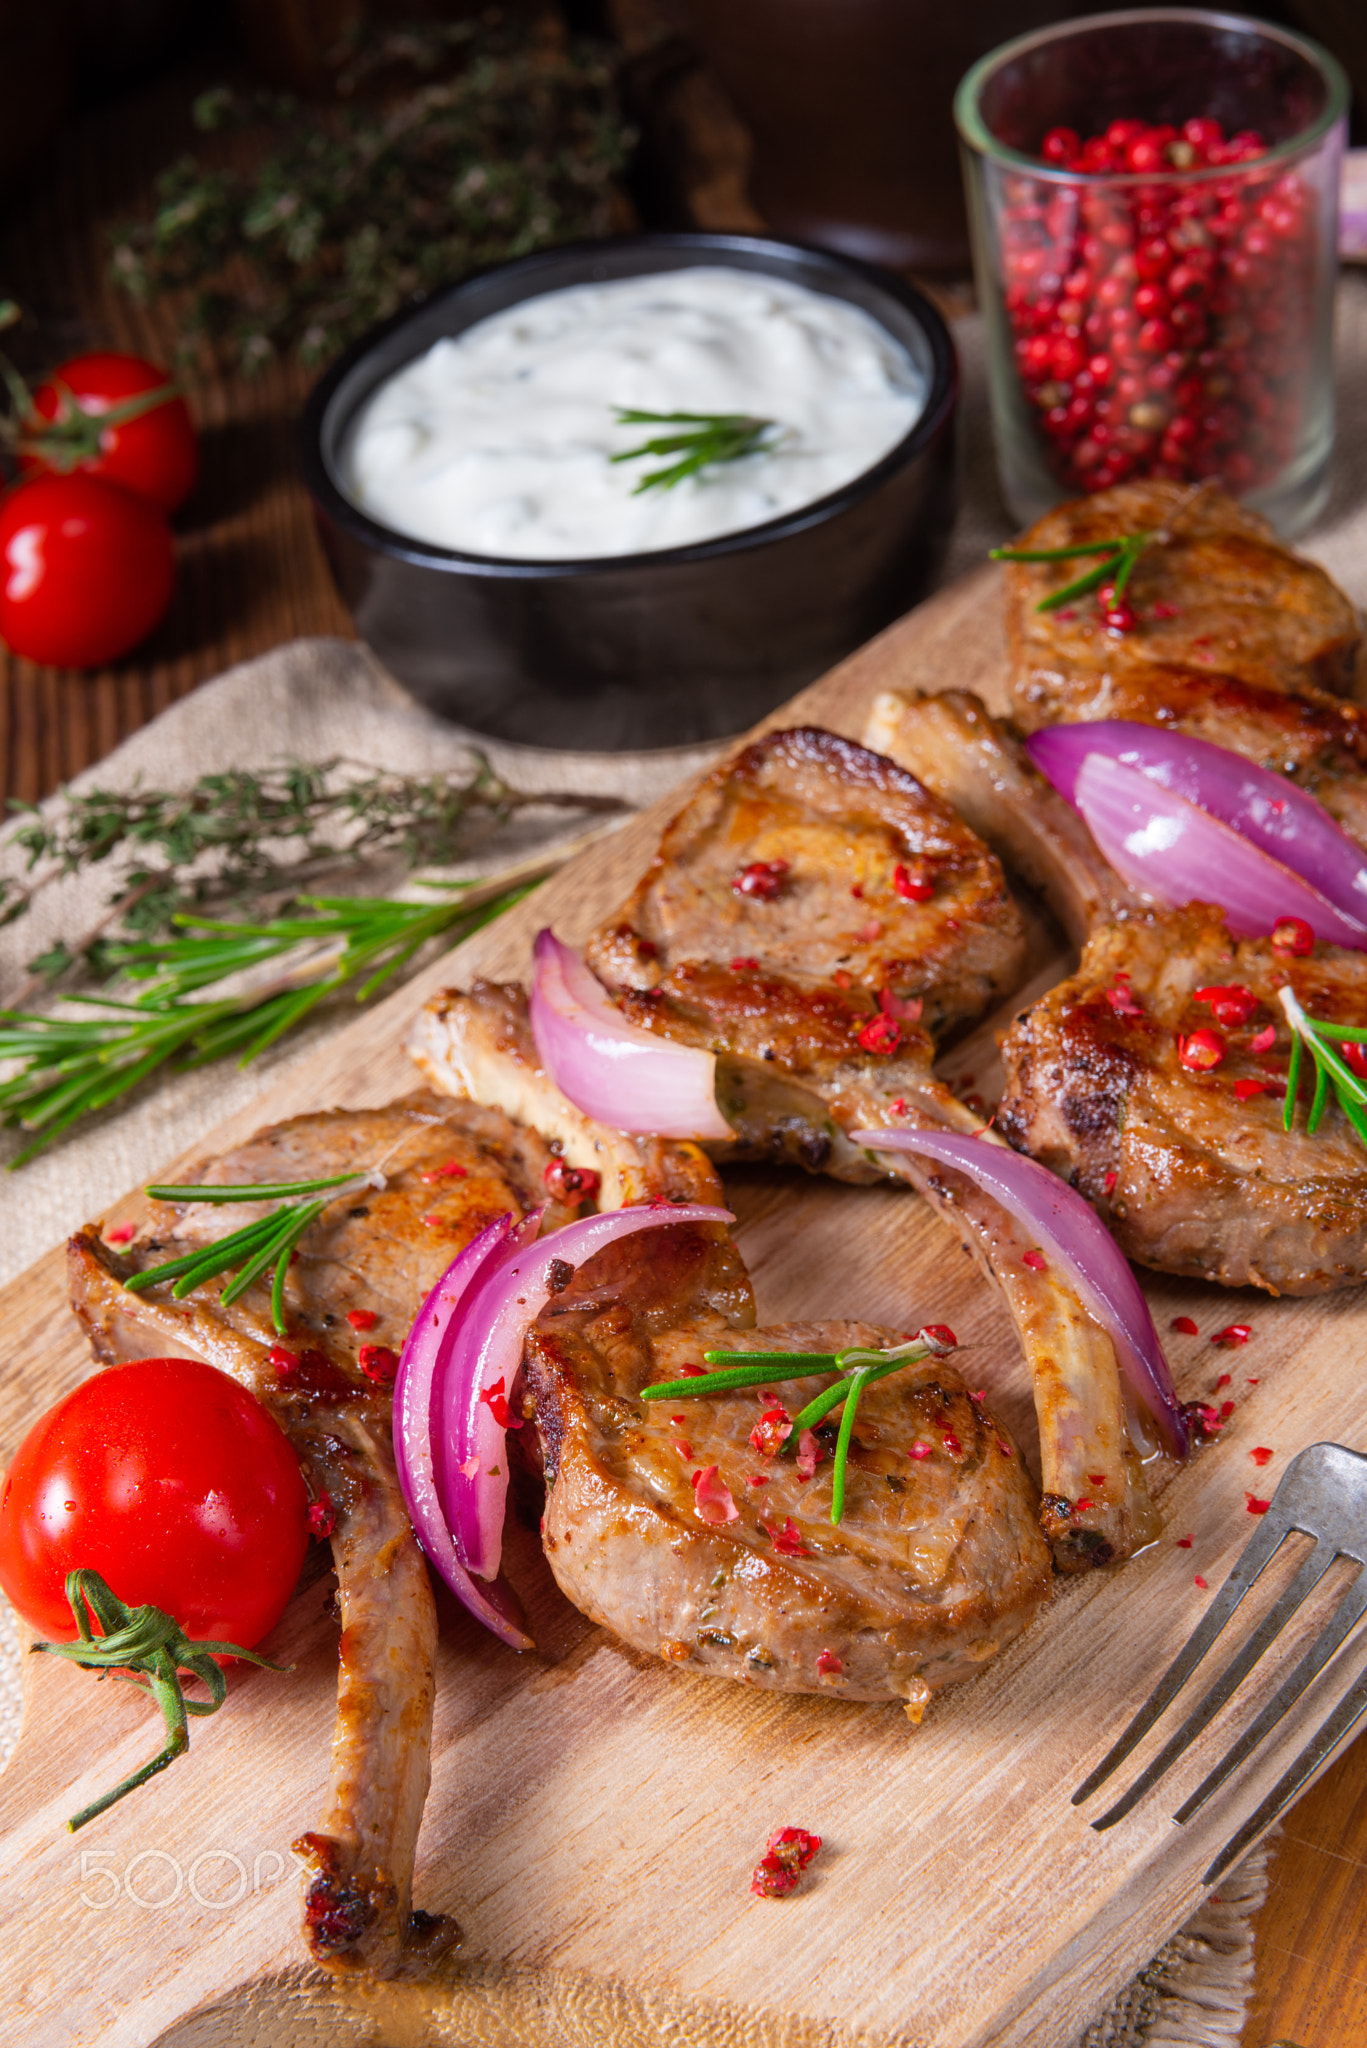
point(594, 1816)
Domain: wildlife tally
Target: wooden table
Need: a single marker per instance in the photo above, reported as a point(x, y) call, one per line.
point(251, 574)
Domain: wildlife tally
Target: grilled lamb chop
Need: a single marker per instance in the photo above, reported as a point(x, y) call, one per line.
point(813, 916)
point(481, 1041)
point(835, 1611)
point(1218, 595)
point(936, 1565)
point(1190, 1178)
point(781, 984)
point(449, 1169)
point(809, 859)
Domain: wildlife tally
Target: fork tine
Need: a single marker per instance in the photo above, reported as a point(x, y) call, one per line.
point(1257, 1555)
point(1344, 1619)
point(1321, 1745)
point(1273, 1622)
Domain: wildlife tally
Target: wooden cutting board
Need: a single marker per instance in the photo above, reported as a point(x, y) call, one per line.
point(594, 1817)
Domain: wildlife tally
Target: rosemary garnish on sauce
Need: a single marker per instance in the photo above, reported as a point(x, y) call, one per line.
point(705, 438)
point(858, 1366)
point(270, 1241)
point(1116, 568)
point(147, 1648)
point(1331, 1071)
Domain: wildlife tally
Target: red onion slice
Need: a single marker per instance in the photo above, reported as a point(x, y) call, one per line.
point(490, 1325)
point(1089, 1256)
point(1178, 854)
point(612, 1070)
point(1264, 808)
point(466, 1341)
point(418, 1389)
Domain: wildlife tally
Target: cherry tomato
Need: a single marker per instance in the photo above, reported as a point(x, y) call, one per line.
point(175, 1485)
point(152, 452)
point(86, 570)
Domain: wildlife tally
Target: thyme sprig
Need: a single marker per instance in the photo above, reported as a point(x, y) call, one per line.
point(147, 1648)
point(237, 835)
point(508, 138)
point(706, 437)
point(74, 1063)
point(1120, 556)
point(1318, 1039)
point(270, 1241)
point(859, 1367)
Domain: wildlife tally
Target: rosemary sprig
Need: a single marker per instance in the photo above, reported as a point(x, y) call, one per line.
point(1117, 567)
point(858, 1366)
point(707, 437)
point(1318, 1039)
point(147, 1648)
point(70, 1065)
point(270, 1241)
point(239, 834)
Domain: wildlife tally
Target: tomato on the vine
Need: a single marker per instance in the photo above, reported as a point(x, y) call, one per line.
point(117, 417)
point(173, 1483)
point(86, 570)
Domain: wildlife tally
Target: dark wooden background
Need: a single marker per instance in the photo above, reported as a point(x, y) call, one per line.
point(251, 574)
point(249, 569)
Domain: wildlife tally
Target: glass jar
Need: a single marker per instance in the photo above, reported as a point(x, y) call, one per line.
point(1173, 317)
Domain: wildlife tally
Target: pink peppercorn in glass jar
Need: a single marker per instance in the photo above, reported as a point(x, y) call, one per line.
point(1153, 199)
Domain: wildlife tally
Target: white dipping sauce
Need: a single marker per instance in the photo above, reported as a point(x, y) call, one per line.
point(497, 442)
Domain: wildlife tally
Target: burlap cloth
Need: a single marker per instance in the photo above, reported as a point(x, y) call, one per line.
point(314, 699)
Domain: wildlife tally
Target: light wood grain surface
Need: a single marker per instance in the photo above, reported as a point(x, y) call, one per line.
point(594, 1817)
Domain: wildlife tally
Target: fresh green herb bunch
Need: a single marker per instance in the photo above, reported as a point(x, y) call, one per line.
point(61, 1068)
point(356, 208)
point(234, 839)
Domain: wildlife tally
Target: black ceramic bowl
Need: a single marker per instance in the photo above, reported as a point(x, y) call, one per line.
point(640, 650)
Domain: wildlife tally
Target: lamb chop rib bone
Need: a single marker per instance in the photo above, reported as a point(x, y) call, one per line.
point(375, 1252)
point(959, 751)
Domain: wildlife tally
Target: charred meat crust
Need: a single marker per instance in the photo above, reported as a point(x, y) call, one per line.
point(937, 1564)
point(1234, 602)
point(1189, 1178)
point(837, 823)
point(450, 1169)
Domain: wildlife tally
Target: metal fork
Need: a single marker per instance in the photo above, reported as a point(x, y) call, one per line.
point(1324, 1495)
